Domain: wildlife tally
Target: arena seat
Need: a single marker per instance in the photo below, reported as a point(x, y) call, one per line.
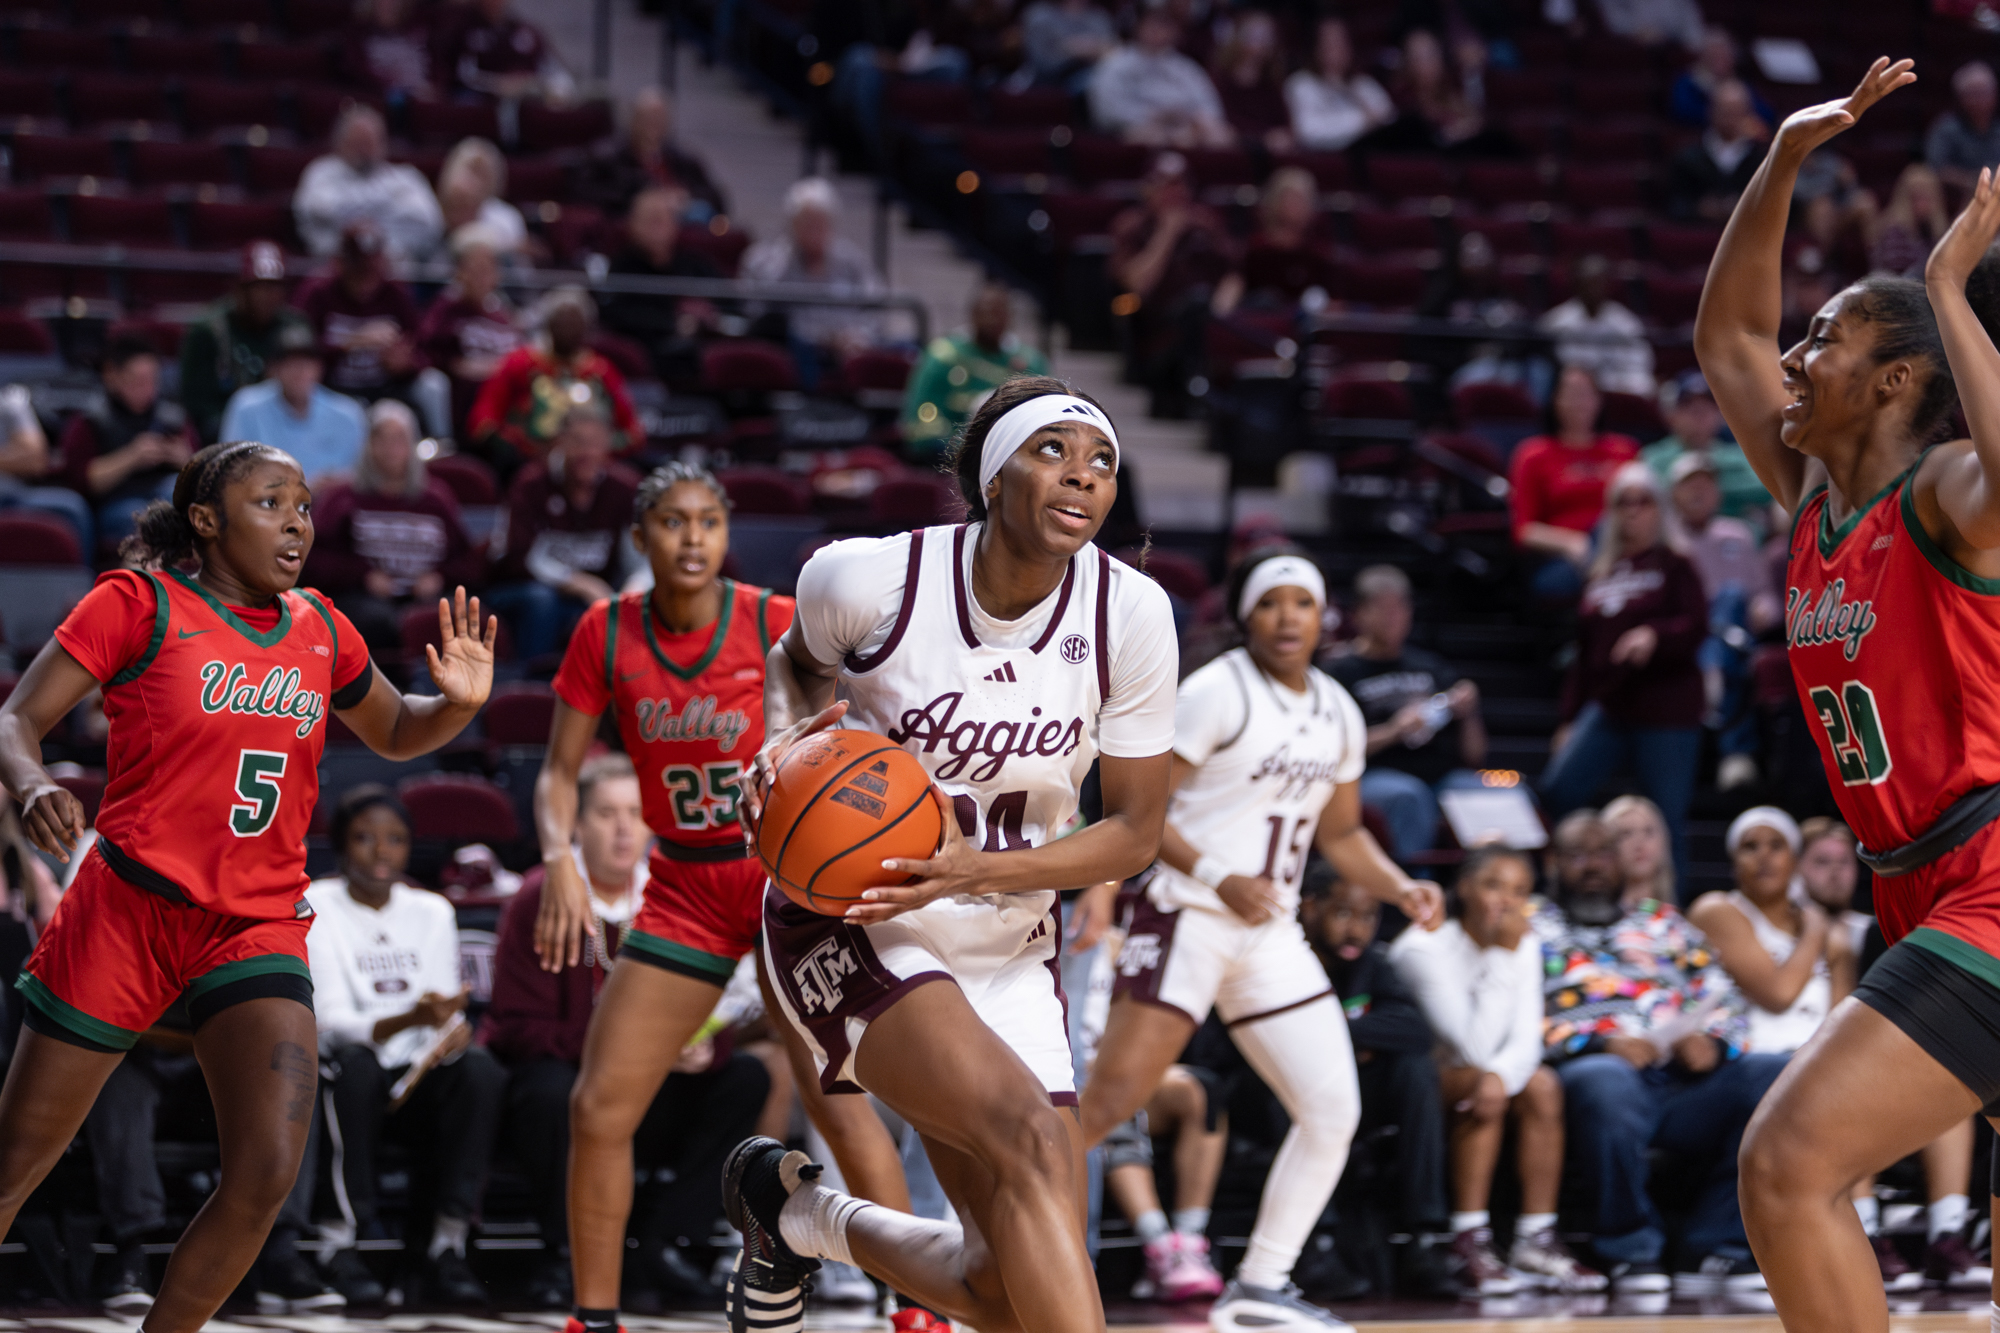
point(164, 162)
point(469, 480)
point(764, 491)
point(1040, 107)
point(459, 807)
point(915, 500)
point(51, 156)
point(25, 215)
point(519, 714)
point(545, 128)
point(219, 225)
point(124, 219)
point(747, 365)
point(445, 123)
point(96, 99)
point(211, 104)
point(32, 539)
point(419, 627)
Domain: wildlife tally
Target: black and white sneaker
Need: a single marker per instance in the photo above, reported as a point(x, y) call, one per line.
point(766, 1291)
point(127, 1295)
point(1636, 1279)
point(287, 1284)
point(1242, 1308)
point(1720, 1275)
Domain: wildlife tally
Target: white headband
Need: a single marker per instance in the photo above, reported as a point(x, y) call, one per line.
point(1285, 571)
point(1015, 425)
point(1762, 816)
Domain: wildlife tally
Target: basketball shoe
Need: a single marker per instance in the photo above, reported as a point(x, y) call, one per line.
point(766, 1291)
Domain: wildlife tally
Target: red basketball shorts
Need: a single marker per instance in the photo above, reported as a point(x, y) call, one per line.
point(699, 917)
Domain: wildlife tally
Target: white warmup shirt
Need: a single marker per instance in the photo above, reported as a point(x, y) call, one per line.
point(1485, 1005)
point(369, 965)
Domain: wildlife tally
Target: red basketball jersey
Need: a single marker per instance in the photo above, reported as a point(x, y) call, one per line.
point(1892, 644)
point(690, 707)
point(216, 729)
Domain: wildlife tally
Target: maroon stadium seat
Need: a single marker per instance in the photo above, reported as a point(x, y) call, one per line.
point(1386, 285)
point(95, 99)
point(1372, 400)
point(40, 156)
point(545, 127)
point(1221, 166)
point(1397, 176)
point(1600, 98)
point(1383, 231)
point(25, 215)
point(163, 162)
point(519, 714)
point(1006, 152)
point(1682, 247)
point(915, 500)
point(764, 490)
point(724, 249)
point(143, 288)
point(1074, 216)
point(419, 625)
point(531, 180)
point(313, 18)
point(1583, 238)
point(26, 94)
point(458, 807)
point(1331, 170)
point(878, 369)
point(1495, 183)
point(173, 53)
point(225, 13)
point(21, 336)
point(448, 122)
point(124, 219)
point(469, 480)
point(62, 48)
point(1593, 188)
point(919, 102)
point(283, 61)
point(748, 364)
point(319, 106)
point(1493, 402)
point(1094, 158)
point(1631, 414)
point(277, 170)
point(1524, 90)
point(1613, 141)
point(118, 11)
point(210, 104)
point(1181, 575)
point(227, 225)
point(1032, 106)
point(31, 539)
point(1671, 300)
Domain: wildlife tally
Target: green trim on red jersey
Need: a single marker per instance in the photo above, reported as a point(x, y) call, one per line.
point(677, 957)
point(763, 619)
point(1792, 537)
point(231, 619)
point(715, 641)
point(1830, 537)
point(138, 668)
point(611, 645)
point(243, 968)
point(331, 633)
point(1969, 957)
point(1934, 553)
point(64, 1014)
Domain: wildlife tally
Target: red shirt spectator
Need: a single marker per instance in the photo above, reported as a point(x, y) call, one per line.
point(520, 410)
point(1558, 479)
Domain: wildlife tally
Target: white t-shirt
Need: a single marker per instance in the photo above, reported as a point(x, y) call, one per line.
point(1328, 116)
point(1267, 760)
point(369, 965)
point(1485, 1005)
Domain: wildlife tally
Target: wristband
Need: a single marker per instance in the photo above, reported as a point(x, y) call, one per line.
point(1209, 871)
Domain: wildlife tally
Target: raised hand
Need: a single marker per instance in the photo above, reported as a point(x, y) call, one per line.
point(1809, 127)
point(1969, 237)
point(463, 670)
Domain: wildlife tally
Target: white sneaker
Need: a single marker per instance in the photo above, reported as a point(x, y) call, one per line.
point(1246, 1309)
point(1736, 770)
point(842, 1284)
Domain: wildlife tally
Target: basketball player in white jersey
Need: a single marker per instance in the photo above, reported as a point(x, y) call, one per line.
point(1268, 752)
point(1007, 654)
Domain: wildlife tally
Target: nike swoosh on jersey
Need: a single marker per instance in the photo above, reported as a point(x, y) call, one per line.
point(190, 633)
point(625, 676)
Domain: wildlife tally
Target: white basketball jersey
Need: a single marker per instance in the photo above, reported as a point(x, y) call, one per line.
point(1267, 761)
point(1007, 733)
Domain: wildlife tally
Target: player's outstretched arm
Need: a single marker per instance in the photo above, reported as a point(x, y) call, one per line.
point(1346, 842)
point(1967, 486)
point(565, 916)
point(1736, 329)
point(54, 683)
point(402, 726)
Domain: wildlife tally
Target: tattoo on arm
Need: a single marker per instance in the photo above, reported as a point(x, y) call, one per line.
point(295, 1064)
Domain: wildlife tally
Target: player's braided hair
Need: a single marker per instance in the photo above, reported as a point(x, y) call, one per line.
point(669, 475)
point(162, 535)
point(961, 460)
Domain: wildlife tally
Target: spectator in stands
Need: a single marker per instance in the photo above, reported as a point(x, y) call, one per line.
point(1249, 73)
point(356, 182)
point(496, 53)
point(1424, 726)
point(1331, 104)
point(1619, 985)
point(1441, 101)
point(1282, 262)
point(957, 371)
point(1148, 92)
point(567, 518)
point(233, 342)
point(1634, 693)
point(1967, 137)
point(1788, 962)
point(389, 1003)
point(671, 328)
point(644, 158)
point(125, 449)
point(1392, 1042)
point(1599, 334)
point(1644, 850)
point(810, 252)
point(24, 463)
point(293, 411)
point(1063, 40)
point(1651, 22)
point(1695, 424)
point(1478, 980)
point(1742, 604)
point(1705, 178)
point(366, 323)
point(472, 326)
point(392, 539)
point(1714, 65)
point(1912, 224)
point(521, 407)
point(473, 178)
point(1168, 256)
point(1829, 872)
point(389, 48)
point(1558, 482)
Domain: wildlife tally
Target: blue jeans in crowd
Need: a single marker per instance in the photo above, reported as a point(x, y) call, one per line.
point(540, 616)
point(58, 502)
point(1410, 805)
point(1729, 610)
point(1615, 1113)
point(1663, 760)
point(1556, 579)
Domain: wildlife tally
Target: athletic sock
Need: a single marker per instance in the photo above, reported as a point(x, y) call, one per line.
point(814, 1221)
point(1870, 1209)
point(1151, 1225)
point(1470, 1221)
point(1264, 1265)
point(1993, 1318)
point(597, 1321)
point(449, 1233)
point(1191, 1221)
point(1948, 1215)
point(1530, 1225)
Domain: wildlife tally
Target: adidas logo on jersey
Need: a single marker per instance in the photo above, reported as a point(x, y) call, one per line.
point(1004, 672)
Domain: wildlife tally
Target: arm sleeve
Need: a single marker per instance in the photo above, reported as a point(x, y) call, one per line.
point(1137, 718)
point(849, 593)
point(112, 627)
point(580, 681)
point(1209, 709)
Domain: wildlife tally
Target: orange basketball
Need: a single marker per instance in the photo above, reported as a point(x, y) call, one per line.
point(840, 804)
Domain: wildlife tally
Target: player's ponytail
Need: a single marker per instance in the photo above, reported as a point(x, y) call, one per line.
point(162, 534)
point(961, 460)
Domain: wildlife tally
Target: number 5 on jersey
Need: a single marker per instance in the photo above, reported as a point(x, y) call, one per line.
point(1855, 730)
point(257, 774)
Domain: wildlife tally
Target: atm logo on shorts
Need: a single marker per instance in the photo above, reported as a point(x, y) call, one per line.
point(818, 976)
point(1140, 955)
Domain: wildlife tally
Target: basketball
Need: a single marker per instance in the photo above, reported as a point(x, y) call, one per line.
point(840, 804)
